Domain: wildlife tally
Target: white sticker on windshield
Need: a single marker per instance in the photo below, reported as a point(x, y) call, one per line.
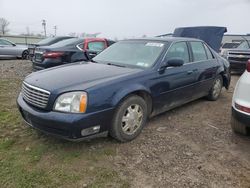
point(154, 44)
point(142, 64)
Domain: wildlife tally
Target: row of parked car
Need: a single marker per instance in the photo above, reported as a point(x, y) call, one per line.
point(116, 87)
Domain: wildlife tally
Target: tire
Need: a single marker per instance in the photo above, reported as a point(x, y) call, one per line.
point(215, 91)
point(238, 127)
point(129, 119)
point(25, 54)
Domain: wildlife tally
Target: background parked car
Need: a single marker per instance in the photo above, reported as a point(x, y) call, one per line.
point(240, 121)
point(9, 49)
point(239, 56)
point(68, 51)
point(46, 42)
point(129, 82)
point(228, 45)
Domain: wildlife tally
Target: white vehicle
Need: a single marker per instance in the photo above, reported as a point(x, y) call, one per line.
point(240, 121)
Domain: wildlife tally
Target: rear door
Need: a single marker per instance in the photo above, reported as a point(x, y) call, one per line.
point(175, 85)
point(206, 65)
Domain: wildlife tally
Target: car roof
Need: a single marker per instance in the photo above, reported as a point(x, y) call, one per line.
point(166, 39)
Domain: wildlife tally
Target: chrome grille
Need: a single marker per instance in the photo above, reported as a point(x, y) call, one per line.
point(35, 96)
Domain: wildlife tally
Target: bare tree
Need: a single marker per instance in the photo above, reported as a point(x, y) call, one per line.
point(4, 26)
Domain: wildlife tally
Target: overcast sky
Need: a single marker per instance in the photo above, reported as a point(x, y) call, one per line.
point(124, 18)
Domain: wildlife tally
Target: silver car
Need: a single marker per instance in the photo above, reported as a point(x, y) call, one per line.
point(11, 50)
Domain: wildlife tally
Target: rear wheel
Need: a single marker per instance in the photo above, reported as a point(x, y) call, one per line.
point(238, 127)
point(129, 119)
point(215, 91)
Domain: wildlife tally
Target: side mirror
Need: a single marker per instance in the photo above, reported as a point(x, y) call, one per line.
point(13, 44)
point(173, 62)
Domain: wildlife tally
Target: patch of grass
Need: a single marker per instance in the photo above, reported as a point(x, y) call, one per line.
point(36, 152)
point(105, 177)
point(5, 144)
point(30, 160)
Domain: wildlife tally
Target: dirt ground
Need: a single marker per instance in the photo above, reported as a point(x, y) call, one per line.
point(191, 146)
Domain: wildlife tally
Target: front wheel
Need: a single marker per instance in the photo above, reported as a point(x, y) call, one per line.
point(215, 91)
point(129, 119)
point(25, 54)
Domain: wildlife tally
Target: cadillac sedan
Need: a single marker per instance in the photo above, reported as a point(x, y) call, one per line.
point(121, 88)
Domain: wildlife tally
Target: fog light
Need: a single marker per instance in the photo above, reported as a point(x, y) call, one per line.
point(91, 130)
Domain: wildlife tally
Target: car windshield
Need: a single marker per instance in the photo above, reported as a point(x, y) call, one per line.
point(67, 42)
point(244, 45)
point(230, 45)
point(131, 53)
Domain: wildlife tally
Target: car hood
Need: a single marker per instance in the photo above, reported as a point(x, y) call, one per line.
point(78, 76)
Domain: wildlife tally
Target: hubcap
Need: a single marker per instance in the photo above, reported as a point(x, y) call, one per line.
point(217, 88)
point(132, 119)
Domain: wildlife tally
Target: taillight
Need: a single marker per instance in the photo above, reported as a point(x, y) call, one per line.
point(52, 54)
point(248, 66)
point(242, 108)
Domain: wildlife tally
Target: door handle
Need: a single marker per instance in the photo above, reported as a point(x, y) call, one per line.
point(190, 72)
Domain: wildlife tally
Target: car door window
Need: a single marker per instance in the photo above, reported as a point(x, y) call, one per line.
point(178, 50)
point(199, 53)
point(209, 54)
point(5, 43)
point(96, 46)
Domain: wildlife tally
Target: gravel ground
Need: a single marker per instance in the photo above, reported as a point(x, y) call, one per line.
point(191, 146)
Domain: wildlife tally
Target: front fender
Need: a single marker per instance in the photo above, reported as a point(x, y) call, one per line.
point(125, 91)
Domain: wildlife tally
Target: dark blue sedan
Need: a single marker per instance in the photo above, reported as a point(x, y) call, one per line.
point(122, 87)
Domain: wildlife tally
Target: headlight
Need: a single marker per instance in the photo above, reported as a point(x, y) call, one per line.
point(75, 102)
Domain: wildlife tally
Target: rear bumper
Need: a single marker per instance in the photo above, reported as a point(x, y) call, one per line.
point(65, 125)
point(46, 63)
point(243, 118)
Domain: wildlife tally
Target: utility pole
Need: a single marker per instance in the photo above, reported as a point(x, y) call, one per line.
point(44, 26)
point(55, 28)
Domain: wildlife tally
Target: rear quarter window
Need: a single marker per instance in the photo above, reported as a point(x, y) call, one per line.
point(199, 53)
point(209, 53)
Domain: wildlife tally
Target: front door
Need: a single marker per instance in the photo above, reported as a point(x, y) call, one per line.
point(175, 85)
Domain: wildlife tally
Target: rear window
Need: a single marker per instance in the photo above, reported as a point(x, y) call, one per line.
point(199, 52)
point(209, 53)
point(67, 42)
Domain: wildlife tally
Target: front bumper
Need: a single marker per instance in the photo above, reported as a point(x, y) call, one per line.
point(243, 118)
point(65, 125)
point(237, 66)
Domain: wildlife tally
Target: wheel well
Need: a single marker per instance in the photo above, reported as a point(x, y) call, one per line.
point(224, 79)
point(147, 97)
point(25, 52)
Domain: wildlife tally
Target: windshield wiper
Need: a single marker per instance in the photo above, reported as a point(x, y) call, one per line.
point(93, 61)
point(115, 65)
